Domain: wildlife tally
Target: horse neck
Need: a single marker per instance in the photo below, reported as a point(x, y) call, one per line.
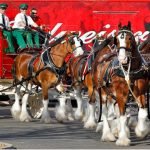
point(101, 53)
point(59, 53)
point(146, 49)
point(103, 49)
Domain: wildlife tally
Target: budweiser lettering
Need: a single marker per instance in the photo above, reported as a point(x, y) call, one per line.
point(90, 35)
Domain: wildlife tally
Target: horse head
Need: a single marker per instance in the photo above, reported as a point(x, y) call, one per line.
point(76, 43)
point(125, 42)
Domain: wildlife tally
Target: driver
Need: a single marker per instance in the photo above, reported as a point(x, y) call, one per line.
point(22, 30)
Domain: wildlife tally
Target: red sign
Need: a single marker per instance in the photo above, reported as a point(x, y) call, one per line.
point(90, 17)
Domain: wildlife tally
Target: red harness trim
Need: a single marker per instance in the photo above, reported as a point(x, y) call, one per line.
point(68, 57)
point(35, 61)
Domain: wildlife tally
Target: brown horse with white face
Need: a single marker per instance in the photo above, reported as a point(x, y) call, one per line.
point(45, 70)
point(81, 78)
point(118, 76)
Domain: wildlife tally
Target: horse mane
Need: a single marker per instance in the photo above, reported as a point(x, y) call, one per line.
point(59, 40)
point(143, 44)
point(103, 44)
point(30, 50)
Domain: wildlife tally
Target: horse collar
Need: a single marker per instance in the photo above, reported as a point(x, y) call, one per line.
point(47, 61)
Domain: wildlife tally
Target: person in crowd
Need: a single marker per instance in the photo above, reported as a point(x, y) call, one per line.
point(37, 19)
point(22, 31)
point(6, 29)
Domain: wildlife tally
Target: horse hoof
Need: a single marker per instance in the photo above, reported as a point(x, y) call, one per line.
point(90, 125)
point(123, 142)
point(78, 115)
point(26, 119)
point(45, 120)
point(141, 134)
point(70, 118)
point(16, 115)
point(108, 137)
point(99, 127)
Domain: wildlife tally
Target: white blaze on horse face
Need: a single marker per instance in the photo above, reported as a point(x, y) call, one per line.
point(122, 57)
point(78, 49)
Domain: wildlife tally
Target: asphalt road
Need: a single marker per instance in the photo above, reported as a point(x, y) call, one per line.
point(67, 135)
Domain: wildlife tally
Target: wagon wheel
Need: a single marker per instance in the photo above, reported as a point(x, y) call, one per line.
point(148, 102)
point(35, 105)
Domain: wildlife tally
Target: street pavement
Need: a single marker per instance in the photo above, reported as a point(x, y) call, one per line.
point(67, 135)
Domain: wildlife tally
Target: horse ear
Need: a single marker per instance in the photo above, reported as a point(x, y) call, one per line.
point(119, 26)
point(76, 33)
point(129, 25)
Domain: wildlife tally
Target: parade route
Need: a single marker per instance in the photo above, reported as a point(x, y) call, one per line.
point(67, 135)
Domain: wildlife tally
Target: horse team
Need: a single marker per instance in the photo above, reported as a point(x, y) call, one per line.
point(112, 70)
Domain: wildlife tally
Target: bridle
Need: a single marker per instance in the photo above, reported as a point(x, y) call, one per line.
point(128, 50)
point(70, 42)
point(79, 45)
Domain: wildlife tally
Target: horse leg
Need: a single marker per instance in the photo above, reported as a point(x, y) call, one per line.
point(142, 129)
point(24, 116)
point(85, 111)
point(61, 112)
point(123, 135)
point(115, 124)
point(110, 117)
point(70, 113)
point(79, 110)
point(106, 133)
point(91, 121)
point(16, 109)
point(45, 113)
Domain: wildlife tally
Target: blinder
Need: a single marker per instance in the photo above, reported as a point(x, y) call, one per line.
point(72, 42)
point(70, 39)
